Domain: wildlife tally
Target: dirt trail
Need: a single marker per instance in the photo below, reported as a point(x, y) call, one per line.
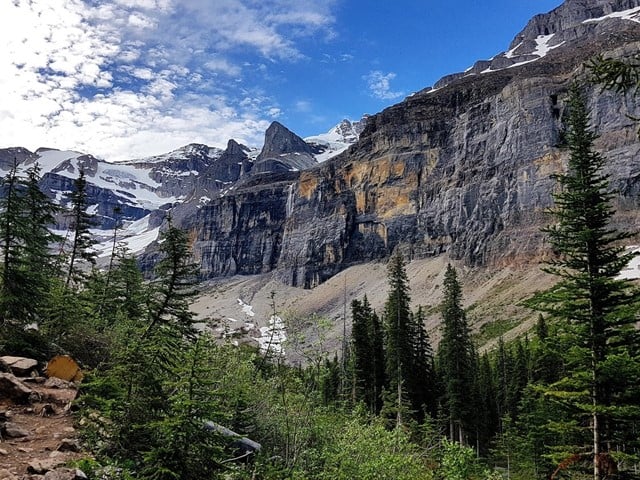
point(49, 426)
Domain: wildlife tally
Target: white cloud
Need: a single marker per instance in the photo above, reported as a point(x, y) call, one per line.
point(224, 66)
point(379, 85)
point(124, 78)
point(303, 106)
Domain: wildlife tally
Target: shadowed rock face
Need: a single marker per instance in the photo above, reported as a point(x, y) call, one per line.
point(465, 169)
point(283, 151)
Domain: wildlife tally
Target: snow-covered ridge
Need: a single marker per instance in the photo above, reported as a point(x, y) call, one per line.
point(336, 140)
point(547, 32)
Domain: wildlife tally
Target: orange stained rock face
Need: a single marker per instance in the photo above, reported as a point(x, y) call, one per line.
point(549, 164)
point(308, 184)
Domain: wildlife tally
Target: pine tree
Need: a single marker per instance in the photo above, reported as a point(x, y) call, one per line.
point(174, 286)
point(486, 418)
point(614, 74)
point(456, 359)
point(595, 312)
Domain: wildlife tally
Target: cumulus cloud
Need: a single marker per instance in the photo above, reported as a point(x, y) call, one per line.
point(379, 85)
point(128, 78)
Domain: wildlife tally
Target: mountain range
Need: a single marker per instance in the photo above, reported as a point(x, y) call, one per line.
point(462, 168)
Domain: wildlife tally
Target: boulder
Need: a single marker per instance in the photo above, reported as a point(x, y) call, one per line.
point(19, 366)
point(69, 445)
point(11, 388)
point(65, 474)
point(11, 430)
point(43, 466)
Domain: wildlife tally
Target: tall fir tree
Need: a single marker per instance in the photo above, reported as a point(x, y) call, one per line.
point(594, 310)
point(40, 262)
point(421, 381)
point(368, 354)
point(397, 322)
point(15, 296)
point(174, 286)
point(456, 365)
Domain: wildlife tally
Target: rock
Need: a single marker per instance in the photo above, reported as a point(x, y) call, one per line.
point(69, 445)
point(11, 388)
point(47, 410)
point(3, 452)
point(7, 475)
point(42, 466)
point(65, 474)
point(55, 382)
point(12, 430)
point(38, 380)
point(19, 366)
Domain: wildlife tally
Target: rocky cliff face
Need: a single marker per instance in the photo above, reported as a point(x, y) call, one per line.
point(464, 168)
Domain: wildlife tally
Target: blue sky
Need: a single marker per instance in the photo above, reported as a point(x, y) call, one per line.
point(131, 78)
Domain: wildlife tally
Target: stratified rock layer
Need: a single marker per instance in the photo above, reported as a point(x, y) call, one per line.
point(465, 169)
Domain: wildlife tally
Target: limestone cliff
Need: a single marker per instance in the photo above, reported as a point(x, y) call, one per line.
point(464, 168)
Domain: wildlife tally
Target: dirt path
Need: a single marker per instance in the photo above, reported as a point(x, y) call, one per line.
point(51, 436)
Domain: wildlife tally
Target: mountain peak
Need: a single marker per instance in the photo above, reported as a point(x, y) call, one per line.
point(573, 21)
point(279, 140)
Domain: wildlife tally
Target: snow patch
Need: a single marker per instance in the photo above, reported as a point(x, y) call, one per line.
point(632, 14)
point(246, 308)
point(135, 236)
point(272, 337)
point(632, 270)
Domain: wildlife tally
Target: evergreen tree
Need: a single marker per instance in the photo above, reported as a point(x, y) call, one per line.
point(15, 296)
point(81, 222)
point(615, 74)
point(421, 382)
point(397, 321)
point(368, 354)
point(174, 286)
point(487, 413)
point(594, 310)
point(39, 260)
point(456, 359)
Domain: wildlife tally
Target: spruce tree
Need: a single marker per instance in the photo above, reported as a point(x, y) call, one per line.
point(456, 359)
point(15, 297)
point(397, 320)
point(174, 286)
point(421, 381)
point(82, 242)
point(617, 75)
point(594, 311)
point(40, 262)
point(368, 354)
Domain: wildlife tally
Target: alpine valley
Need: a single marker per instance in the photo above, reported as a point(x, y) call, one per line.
point(458, 172)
